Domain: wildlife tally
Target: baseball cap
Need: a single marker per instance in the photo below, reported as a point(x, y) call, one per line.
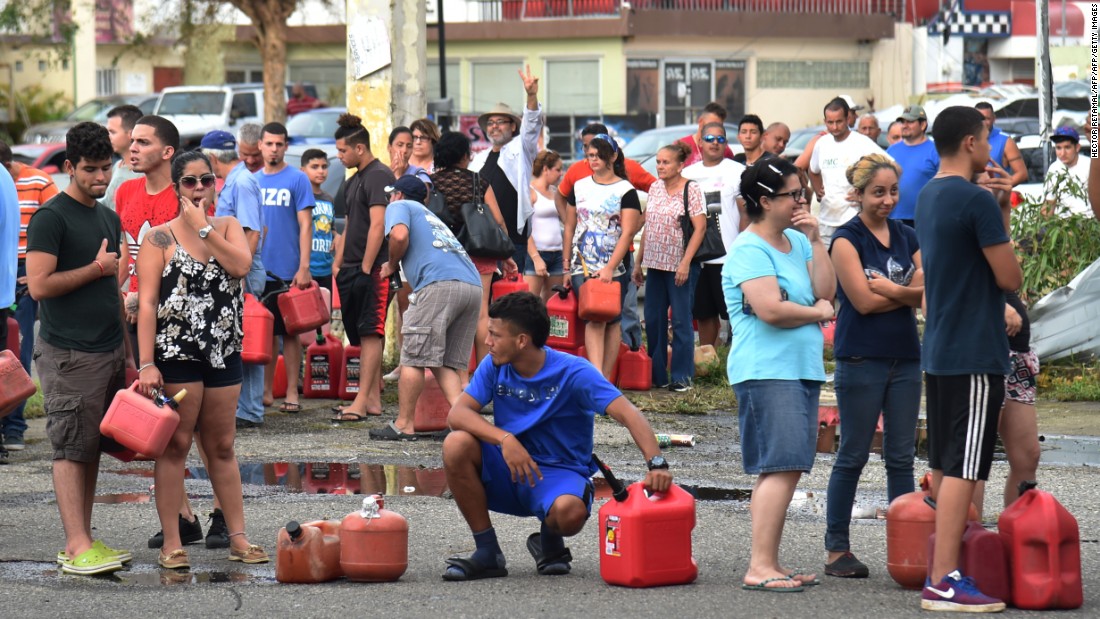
point(851, 103)
point(1065, 133)
point(913, 112)
point(219, 140)
point(413, 188)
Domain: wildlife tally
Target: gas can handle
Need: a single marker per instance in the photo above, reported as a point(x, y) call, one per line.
point(1028, 485)
point(371, 505)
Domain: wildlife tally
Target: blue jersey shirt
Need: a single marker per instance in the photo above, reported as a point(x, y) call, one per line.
point(284, 194)
point(552, 412)
point(320, 256)
point(919, 164)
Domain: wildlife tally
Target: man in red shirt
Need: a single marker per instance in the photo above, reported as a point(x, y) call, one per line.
point(300, 101)
point(712, 113)
point(636, 174)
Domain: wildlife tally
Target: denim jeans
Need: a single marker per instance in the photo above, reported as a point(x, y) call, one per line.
point(250, 404)
point(630, 325)
point(866, 387)
point(13, 426)
point(777, 421)
point(662, 293)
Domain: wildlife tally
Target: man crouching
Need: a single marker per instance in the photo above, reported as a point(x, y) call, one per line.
point(537, 458)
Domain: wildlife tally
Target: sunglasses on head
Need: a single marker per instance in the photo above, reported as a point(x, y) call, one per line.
point(189, 182)
point(711, 139)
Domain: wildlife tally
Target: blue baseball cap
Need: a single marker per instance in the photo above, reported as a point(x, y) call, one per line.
point(219, 140)
point(413, 188)
point(1065, 133)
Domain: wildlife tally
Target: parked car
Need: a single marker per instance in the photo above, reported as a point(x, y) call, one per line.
point(315, 126)
point(94, 110)
point(645, 144)
point(799, 139)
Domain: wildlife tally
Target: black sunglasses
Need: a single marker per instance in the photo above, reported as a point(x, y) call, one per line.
point(189, 182)
point(796, 195)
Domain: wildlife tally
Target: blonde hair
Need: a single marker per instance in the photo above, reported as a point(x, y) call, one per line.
point(860, 173)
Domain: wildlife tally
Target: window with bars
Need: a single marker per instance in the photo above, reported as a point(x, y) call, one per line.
point(106, 82)
point(813, 74)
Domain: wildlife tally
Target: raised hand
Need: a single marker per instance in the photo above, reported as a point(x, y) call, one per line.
point(107, 259)
point(530, 82)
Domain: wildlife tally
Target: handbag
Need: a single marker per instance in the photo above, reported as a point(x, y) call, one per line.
point(480, 235)
point(712, 246)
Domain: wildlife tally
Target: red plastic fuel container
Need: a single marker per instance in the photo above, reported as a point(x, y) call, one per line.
point(508, 285)
point(140, 424)
point(307, 337)
point(909, 522)
point(645, 541)
point(258, 326)
point(635, 370)
point(13, 335)
point(1043, 545)
point(600, 301)
point(278, 385)
point(432, 407)
point(303, 309)
point(981, 557)
point(374, 543)
point(308, 552)
point(324, 360)
point(349, 373)
point(15, 384)
point(566, 327)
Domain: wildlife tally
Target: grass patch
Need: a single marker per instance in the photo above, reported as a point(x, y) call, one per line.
point(702, 399)
point(34, 408)
point(1070, 381)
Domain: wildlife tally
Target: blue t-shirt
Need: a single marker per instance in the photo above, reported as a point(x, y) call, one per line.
point(997, 142)
point(918, 165)
point(240, 198)
point(552, 412)
point(892, 334)
point(9, 238)
point(433, 254)
point(283, 194)
point(320, 256)
point(964, 329)
point(760, 351)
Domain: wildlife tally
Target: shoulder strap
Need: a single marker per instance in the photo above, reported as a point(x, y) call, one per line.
point(687, 183)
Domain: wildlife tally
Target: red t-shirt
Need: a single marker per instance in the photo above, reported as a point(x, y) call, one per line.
point(139, 212)
point(635, 173)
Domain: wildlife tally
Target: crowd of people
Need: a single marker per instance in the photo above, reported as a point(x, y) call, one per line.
point(183, 235)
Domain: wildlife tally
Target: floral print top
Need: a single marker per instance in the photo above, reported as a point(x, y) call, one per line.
point(200, 311)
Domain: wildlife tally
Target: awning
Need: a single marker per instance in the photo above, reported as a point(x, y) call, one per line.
point(1023, 19)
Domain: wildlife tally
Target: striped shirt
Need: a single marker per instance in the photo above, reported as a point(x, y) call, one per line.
point(34, 187)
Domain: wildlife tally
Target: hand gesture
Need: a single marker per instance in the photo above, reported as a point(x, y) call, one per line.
point(524, 469)
point(806, 223)
point(193, 214)
point(107, 259)
point(398, 162)
point(658, 480)
point(530, 82)
point(996, 178)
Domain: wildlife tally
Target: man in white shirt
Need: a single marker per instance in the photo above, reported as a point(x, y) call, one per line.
point(720, 180)
point(829, 163)
point(1067, 179)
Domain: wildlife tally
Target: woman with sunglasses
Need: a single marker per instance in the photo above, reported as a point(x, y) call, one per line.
point(877, 349)
point(779, 284)
point(425, 135)
point(189, 337)
point(602, 217)
point(670, 274)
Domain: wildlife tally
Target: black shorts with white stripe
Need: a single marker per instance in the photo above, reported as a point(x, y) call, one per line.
point(963, 412)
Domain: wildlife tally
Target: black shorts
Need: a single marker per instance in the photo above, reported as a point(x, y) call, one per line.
point(363, 301)
point(180, 372)
point(709, 300)
point(963, 412)
point(271, 302)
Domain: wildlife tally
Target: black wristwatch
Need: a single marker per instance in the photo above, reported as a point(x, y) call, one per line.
point(657, 462)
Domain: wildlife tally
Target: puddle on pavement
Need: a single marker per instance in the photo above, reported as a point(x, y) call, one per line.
point(1071, 450)
point(137, 575)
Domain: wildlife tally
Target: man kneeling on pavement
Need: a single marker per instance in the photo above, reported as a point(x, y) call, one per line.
point(535, 459)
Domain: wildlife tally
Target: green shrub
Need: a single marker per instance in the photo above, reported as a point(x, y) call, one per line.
point(1053, 244)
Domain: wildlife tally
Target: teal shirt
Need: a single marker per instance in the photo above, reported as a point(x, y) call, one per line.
point(760, 351)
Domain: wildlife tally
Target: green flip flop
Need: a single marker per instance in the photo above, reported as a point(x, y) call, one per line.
point(763, 586)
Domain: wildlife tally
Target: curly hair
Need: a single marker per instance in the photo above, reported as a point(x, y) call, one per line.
point(525, 313)
point(350, 129)
point(450, 150)
point(88, 141)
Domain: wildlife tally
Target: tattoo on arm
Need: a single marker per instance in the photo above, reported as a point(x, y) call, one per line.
point(159, 239)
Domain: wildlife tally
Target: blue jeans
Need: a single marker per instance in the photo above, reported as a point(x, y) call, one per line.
point(777, 420)
point(866, 387)
point(662, 293)
point(630, 325)
point(250, 404)
point(520, 255)
point(14, 425)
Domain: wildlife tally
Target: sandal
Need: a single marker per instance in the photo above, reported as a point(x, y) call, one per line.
point(123, 556)
point(175, 560)
point(343, 416)
point(391, 433)
point(290, 407)
point(801, 577)
point(556, 565)
point(763, 586)
point(461, 568)
point(92, 561)
point(251, 555)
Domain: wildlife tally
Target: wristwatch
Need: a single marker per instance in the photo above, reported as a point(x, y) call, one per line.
point(205, 232)
point(657, 462)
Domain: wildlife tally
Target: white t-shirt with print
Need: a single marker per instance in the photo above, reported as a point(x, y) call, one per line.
point(721, 186)
point(599, 222)
point(1078, 175)
point(831, 159)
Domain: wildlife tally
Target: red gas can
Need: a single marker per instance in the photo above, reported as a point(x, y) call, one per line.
point(600, 301)
point(278, 385)
point(324, 358)
point(303, 309)
point(566, 327)
point(508, 285)
point(374, 543)
point(141, 424)
point(981, 557)
point(258, 325)
point(1043, 545)
point(636, 371)
point(13, 336)
point(15, 384)
point(349, 373)
point(909, 522)
point(306, 337)
point(432, 407)
point(645, 541)
point(309, 552)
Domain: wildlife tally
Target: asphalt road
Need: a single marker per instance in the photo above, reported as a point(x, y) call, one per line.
point(30, 535)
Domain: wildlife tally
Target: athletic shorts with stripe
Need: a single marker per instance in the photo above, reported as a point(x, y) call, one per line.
point(963, 412)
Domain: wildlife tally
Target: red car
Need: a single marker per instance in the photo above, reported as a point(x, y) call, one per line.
point(46, 157)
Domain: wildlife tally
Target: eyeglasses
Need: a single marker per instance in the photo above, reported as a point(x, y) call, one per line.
point(422, 138)
point(498, 122)
point(711, 139)
point(189, 182)
point(797, 195)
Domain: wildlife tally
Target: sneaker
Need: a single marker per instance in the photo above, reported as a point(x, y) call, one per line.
point(14, 443)
point(3, 455)
point(956, 593)
point(190, 532)
point(93, 561)
point(217, 535)
point(679, 387)
point(244, 424)
point(847, 566)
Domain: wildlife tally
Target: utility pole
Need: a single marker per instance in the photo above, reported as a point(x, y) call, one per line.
point(1043, 75)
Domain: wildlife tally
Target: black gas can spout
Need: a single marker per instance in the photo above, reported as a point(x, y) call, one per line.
point(618, 490)
point(1028, 485)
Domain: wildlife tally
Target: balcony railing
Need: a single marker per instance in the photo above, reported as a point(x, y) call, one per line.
point(513, 10)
